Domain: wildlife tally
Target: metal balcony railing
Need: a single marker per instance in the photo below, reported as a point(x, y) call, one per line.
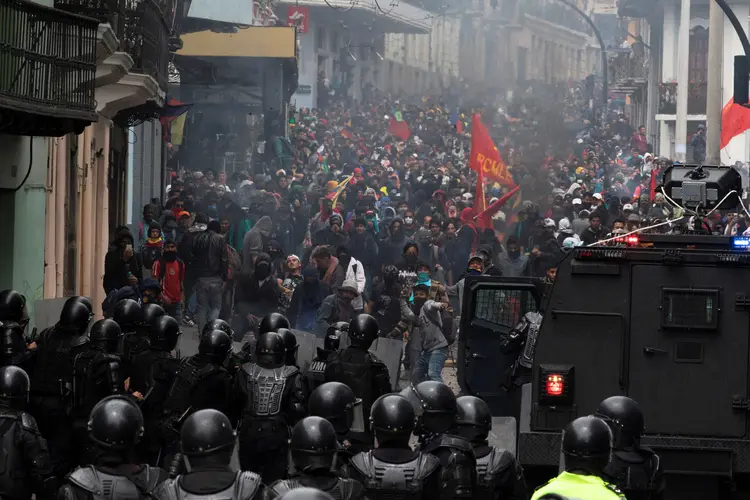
point(47, 61)
point(628, 67)
point(105, 11)
point(146, 38)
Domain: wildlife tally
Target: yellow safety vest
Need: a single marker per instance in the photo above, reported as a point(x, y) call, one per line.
point(580, 487)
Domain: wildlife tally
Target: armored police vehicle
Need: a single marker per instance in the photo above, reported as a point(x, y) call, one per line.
point(663, 319)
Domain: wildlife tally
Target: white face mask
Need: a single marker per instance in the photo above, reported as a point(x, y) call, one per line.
point(408, 220)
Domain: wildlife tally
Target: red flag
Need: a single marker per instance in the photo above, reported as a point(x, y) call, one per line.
point(485, 157)
point(399, 129)
point(495, 207)
point(347, 134)
point(735, 119)
point(459, 126)
point(652, 187)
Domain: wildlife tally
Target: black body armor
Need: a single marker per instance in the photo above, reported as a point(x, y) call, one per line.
point(459, 464)
point(338, 488)
point(269, 390)
point(22, 445)
point(388, 481)
point(53, 370)
point(96, 375)
point(637, 473)
point(499, 476)
point(105, 486)
point(316, 373)
point(189, 374)
point(245, 487)
point(133, 344)
point(363, 372)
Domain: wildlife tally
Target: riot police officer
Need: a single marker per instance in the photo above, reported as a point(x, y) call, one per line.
point(115, 426)
point(27, 462)
point(13, 321)
point(393, 468)
point(218, 324)
point(290, 344)
point(635, 469)
point(361, 370)
point(437, 410)
point(272, 397)
point(586, 447)
point(331, 343)
point(336, 403)
point(313, 447)
point(499, 475)
point(207, 439)
point(201, 382)
point(129, 315)
point(52, 381)
point(272, 323)
point(153, 374)
point(97, 373)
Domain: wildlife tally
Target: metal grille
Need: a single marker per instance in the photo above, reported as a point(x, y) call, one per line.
point(47, 60)
point(146, 38)
point(503, 307)
point(690, 309)
point(104, 11)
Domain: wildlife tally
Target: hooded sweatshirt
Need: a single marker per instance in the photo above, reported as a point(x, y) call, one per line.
point(252, 243)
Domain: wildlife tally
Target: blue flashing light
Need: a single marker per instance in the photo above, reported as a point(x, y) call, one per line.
point(741, 242)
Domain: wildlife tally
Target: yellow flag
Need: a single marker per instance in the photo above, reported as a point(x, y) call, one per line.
point(177, 129)
point(340, 189)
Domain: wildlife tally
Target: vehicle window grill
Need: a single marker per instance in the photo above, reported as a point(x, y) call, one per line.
point(502, 307)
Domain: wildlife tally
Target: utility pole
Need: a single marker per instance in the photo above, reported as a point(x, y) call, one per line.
point(683, 74)
point(714, 102)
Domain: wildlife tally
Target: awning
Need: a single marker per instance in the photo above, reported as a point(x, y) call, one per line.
point(254, 41)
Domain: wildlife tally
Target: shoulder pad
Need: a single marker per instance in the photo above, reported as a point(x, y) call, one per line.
point(362, 463)
point(614, 489)
point(284, 485)
point(79, 341)
point(87, 479)
point(500, 460)
point(427, 464)
point(154, 476)
point(246, 485)
point(167, 490)
point(290, 371)
point(29, 423)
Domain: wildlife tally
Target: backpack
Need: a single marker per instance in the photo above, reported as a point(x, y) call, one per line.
point(149, 255)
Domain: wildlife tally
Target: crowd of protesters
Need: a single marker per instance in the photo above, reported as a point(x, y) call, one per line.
point(372, 210)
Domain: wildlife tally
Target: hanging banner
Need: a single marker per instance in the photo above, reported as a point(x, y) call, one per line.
point(297, 17)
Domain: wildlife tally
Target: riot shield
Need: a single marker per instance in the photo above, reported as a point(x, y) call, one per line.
point(389, 352)
point(307, 348)
point(47, 312)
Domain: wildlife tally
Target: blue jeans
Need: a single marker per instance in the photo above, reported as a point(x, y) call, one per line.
point(429, 365)
point(208, 292)
point(192, 303)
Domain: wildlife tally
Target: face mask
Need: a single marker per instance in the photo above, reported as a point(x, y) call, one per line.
point(423, 277)
point(514, 254)
point(473, 272)
point(408, 220)
point(418, 303)
point(410, 258)
point(170, 256)
point(262, 271)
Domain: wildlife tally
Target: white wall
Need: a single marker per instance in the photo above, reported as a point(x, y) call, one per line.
point(307, 66)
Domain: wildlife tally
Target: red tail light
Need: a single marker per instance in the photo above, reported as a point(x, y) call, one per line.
point(556, 385)
point(632, 239)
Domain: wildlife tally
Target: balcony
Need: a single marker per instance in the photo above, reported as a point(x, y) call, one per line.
point(47, 69)
point(697, 94)
point(637, 8)
point(629, 69)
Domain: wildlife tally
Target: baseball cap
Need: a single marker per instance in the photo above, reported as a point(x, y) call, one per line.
point(598, 196)
point(627, 206)
point(577, 201)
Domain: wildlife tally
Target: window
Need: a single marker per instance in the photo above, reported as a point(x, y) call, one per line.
point(320, 38)
point(698, 59)
point(690, 309)
point(502, 307)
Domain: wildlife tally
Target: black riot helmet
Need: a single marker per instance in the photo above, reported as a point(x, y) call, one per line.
point(313, 444)
point(12, 341)
point(290, 345)
point(128, 315)
point(218, 324)
point(12, 307)
point(336, 403)
point(305, 494)
point(587, 445)
point(164, 334)
point(333, 336)
point(215, 346)
point(86, 302)
point(272, 323)
point(393, 420)
point(105, 334)
point(74, 318)
point(270, 350)
point(208, 435)
point(116, 422)
point(149, 314)
point(363, 330)
point(434, 404)
point(625, 419)
point(14, 386)
point(474, 419)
